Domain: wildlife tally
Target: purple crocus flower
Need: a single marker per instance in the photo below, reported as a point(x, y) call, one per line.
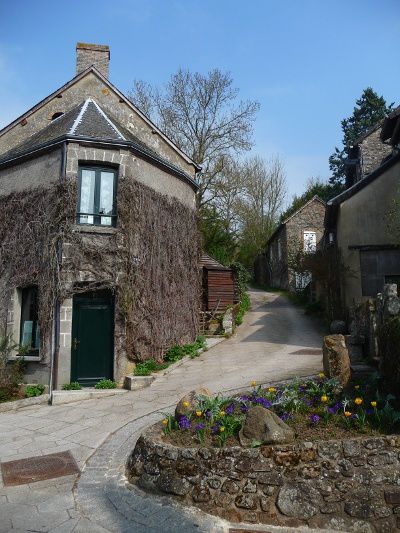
point(332, 410)
point(284, 416)
point(244, 408)
point(369, 411)
point(315, 419)
point(200, 426)
point(208, 414)
point(229, 409)
point(244, 398)
point(184, 422)
point(263, 401)
point(215, 427)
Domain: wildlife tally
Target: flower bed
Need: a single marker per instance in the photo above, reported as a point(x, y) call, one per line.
point(346, 484)
point(316, 409)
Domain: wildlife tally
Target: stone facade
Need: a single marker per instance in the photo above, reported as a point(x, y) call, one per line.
point(349, 485)
point(110, 100)
point(288, 237)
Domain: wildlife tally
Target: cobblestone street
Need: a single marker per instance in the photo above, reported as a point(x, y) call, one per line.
point(276, 341)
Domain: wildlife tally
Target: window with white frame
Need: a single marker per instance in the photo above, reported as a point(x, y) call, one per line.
point(310, 242)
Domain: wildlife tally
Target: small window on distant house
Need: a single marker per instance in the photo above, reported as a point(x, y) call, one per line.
point(97, 196)
point(57, 115)
point(29, 325)
point(310, 242)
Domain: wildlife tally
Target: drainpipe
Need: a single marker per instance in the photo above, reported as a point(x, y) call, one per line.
point(53, 382)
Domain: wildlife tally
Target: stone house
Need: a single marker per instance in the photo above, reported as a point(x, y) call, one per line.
point(367, 153)
point(99, 244)
point(358, 220)
point(301, 231)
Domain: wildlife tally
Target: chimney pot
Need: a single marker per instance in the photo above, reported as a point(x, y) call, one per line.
point(97, 55)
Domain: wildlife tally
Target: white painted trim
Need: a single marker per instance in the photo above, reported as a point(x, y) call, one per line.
point(78, 119)
point(114, 127)
point(83, 110)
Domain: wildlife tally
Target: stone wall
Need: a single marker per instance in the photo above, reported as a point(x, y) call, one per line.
point(349, 485)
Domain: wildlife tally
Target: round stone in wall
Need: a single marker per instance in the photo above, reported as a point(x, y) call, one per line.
point(299, 501)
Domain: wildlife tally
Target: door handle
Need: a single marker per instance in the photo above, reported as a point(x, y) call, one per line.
point(75, 343)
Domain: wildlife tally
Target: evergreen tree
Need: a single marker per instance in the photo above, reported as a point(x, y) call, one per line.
point(368, 111)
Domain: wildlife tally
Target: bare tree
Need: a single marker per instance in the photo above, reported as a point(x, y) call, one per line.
point(261, 203)
point(203, 116)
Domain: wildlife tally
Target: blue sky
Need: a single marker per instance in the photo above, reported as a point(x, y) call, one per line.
point(305, 61)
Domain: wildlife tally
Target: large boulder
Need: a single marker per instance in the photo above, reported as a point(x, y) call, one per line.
point(336, 359)
point(265, 427)
point(187, 404)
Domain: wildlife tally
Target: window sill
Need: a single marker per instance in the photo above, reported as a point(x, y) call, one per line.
point(35, 358)
point(100, 230)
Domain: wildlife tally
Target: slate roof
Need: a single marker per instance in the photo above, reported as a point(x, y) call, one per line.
point(88, 122)
point(85, 120)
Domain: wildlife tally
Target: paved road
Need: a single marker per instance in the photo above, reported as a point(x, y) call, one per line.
point(275, 342)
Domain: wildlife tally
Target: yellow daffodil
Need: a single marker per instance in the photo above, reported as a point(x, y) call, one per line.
point(358, 401)
point(185, 404)
point(356, 387)
point(253, 383)
point(374, 404)
point(271, 390)
point(198, 413)
point(165, 422)
point(347, 414)
point(222, 413)
point(221, 429)
point(324, 398)
point(321, 375)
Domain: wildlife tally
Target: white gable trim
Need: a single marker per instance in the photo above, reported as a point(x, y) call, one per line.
point(79, 118)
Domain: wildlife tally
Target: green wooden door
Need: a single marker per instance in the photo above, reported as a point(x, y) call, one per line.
point(92, 344)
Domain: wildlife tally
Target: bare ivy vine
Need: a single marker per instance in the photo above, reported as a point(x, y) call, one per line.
point(150, 262)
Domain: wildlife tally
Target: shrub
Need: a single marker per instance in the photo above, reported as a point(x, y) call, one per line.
point(10, 372)
point(175, 353)
point(149, 366)
point(244, 306)
point(34, 390)
point(105, 384)
point(74, 385)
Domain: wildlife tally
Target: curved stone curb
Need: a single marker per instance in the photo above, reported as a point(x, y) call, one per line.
point(104, 496)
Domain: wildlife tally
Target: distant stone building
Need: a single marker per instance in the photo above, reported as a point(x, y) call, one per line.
point(303, 230)
point(99, 244)
point(368, 152)
point(357, 220)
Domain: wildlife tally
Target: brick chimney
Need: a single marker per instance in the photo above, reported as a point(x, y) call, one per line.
point(97, 55)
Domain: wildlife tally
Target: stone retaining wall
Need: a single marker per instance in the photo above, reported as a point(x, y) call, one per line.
point(349, 485)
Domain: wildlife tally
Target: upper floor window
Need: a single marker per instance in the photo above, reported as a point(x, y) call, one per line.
point(29, 324)
point(97, 196)
point(310, 242)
